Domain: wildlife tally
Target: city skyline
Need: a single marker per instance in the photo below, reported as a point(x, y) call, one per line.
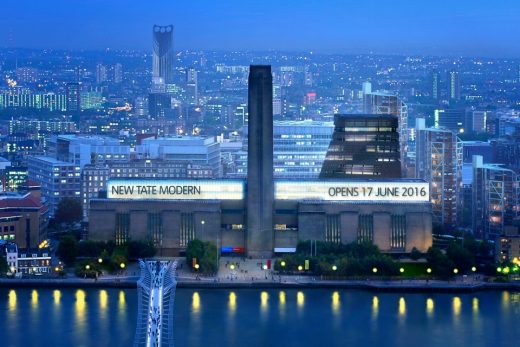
point(462, 28)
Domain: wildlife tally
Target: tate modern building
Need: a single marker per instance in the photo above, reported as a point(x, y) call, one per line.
point(358, 197)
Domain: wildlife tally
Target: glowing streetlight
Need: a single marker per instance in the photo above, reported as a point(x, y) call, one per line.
point(401, 270)
point(282, 263)
point(455, 271)
point(374, 270)
point(334, 267)
point(197, 266)
point(87, 267)
point(300, 268)
point(100, 260)
point(232, 266)
point(428, 270)
point(264, 267)
point(122, 265)
point(499, 269)
point(474, 269)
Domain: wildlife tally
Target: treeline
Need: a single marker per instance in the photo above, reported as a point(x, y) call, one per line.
point(91, 257)
point(365, 259)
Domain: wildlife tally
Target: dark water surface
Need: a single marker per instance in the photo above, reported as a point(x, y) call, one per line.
point(251, 317)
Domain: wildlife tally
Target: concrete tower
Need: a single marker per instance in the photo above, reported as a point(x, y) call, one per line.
point(163, 54)
point(260, 188)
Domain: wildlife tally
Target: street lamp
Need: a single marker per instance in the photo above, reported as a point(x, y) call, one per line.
point(122, 265)
point(100, 260)
point(232, 266)
point(474, 269)
point(428, 270)
point(499, 269)
point(455, 271)
point(374, 270)
point(401, 270)
point(300, 268)
point(197, 266)
point(87, 267)
point(264, 267)
point(282, 263)
point(334, 267)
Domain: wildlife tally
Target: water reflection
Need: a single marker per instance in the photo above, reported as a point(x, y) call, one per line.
point(429, 306)
point(80, 304)
point(12, 300)
point(300, 299)
point(375, 307)
point(195, 302)
point(264, 297)
point(232, 303)
point(57, 297)
point(402, 307)
point(281, 304)
point(457, 304)
point(103, 300)
point(34, 299)
point(281, 297)
point(506, 300)
point(335, 302)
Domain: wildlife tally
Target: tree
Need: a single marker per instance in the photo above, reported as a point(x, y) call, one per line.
point(141, 249)
point(439, 262)
point(3, 265)
point(415, 254)
point(205, 254)
point(460, 256)
point(69, 211)
point(195, 249)
point(68, 249)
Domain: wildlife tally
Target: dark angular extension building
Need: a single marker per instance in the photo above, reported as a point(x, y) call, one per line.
point(260, 187)
point(363, 146)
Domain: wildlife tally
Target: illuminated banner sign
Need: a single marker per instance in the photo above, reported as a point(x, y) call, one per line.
point(398, 191)
point(353, 191)
point(175, 189)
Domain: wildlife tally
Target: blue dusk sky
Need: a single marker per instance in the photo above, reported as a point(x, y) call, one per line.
point(440, 27)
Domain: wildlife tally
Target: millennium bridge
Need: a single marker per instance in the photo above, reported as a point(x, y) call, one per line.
point(156, 294)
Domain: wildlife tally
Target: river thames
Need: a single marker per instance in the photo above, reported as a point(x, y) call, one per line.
point(254, 317)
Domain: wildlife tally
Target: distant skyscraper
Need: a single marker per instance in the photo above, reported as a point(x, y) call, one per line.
point(101, 73)
point(496, 197)
point(479, 120)
point(439, 161)
point(363, 146)
point(452, 119)
point(309, 80)
point(73, 97)
point(163, 54)
point(118, 73)
point(436, 89)
point(260, 188)
point(277, 99)
point(453, 85)
point(192, 88)
point(367, 88)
